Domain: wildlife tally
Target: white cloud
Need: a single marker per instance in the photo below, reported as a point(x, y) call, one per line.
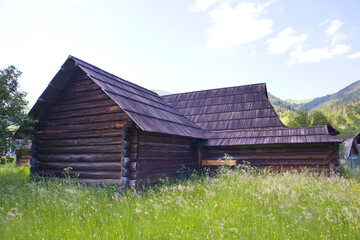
point(202, 5)
point(333, 32)
point(334, 27)
point(284, 41)
point(317, 54)
point(354, 55)
point(238, 25)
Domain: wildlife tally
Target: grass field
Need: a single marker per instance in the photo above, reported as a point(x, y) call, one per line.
point(232, 205)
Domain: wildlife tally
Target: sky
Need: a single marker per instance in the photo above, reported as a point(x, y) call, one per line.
point(300, 49)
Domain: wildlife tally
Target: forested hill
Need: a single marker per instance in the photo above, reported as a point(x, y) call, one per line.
point(332, 104)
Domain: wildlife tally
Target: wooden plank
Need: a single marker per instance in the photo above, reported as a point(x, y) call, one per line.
point(219, 162)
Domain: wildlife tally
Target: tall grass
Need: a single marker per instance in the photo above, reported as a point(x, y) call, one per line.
point(232, 205)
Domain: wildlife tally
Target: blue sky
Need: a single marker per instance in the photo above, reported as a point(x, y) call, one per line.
point(301, 49)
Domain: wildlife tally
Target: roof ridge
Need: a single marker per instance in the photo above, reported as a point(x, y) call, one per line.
point(100, 71)
point(205, 90)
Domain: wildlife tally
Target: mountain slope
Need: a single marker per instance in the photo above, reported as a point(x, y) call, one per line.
point(332, 105)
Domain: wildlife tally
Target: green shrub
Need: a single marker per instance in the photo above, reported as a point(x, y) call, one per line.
point(6, 160)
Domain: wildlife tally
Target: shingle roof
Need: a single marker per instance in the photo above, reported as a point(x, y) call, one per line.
point(146, 108)
point(283, 135)
point(243, 116)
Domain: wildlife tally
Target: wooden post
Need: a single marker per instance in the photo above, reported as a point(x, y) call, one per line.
point(34, 162)
point(199, 155)
point(129, 149)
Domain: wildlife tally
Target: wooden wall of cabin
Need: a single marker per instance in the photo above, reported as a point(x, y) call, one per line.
point(164, 156)
point(82, 131)
point(322, 157)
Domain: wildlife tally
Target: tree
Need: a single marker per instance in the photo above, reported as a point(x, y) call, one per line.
point(319, 118)
point(12, 109)
point(304, 119)
point(352, 124)
point(301, 119)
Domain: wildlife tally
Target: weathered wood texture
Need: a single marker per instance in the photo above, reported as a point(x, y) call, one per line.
point(163, 156)
point(23, 158)
point(323, 157)
point(82, 130)
point(129, 155)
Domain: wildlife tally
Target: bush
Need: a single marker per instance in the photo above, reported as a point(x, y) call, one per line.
point(6, 160)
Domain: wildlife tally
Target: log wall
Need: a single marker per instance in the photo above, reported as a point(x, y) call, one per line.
point(82, 130)
point(322, 157)
point(164, 156)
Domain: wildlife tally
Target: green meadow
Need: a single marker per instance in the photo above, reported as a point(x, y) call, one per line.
point(233, 204)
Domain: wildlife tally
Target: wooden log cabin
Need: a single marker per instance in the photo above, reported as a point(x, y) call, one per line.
point(105, 129)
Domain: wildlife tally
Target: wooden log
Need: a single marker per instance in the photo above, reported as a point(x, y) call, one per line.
point(82, 174)
point(133, 132)
point(83, 112)
point(77, 81)
point(78, 106)
point(165, 168)
point(69, 90)
point(81, 149)
point(134, 157)
point(271, 148)
point(124, 182)
point(125, 144)
point(76, 95)
point(165, 139)
point(92, 166)
point(80, 127)
point(125, 153)
point(125, 172)
point(125, 162)
point(81, 142)
point(133, 139)
point(86, 97)
point(142, 153)
point(134, 148)
point(133, 166)
point(86, 119)
point(85, 134)
point(275, 156)
point(165, 146)
point(133, 175)
point(96, 157)
point(290, 162)
point(133, 183)
point(148, 161)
